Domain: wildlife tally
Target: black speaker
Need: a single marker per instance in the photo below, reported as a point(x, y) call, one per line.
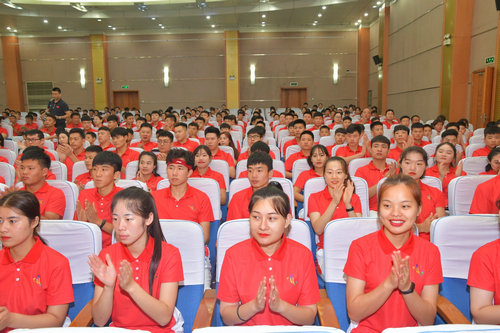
point(378, 61)
point(497, 2)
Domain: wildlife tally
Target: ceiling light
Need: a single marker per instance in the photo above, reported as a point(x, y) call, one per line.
point(366, 14)
point(9, 4)
point(213, 25)
point(114, 28)
point(141, 6)
point(379, 3)
point(59, 27)
point(45, 21)
point(374, 6)
point(162, 27)
point(201, 3)
point(356, 23)
point(8, 28)
point(319, 15)
point(15, 30)
point(153, 18)
point(263, 16)
point(359, 21)
point(79, 6)
point(315, 23)
point(99, 20)
point(208, 17)
point(263, 24)
point(324, 7)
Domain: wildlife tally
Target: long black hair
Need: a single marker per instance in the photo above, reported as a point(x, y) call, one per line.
point(142, 203)
point(155, 161)
point(27, 204)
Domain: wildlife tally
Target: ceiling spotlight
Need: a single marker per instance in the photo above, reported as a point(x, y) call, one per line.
point(201, 3)
point(356, 23)
point(263, 16)
point(263, 23)
point(162, 27)
point(45, 21)
point(213, 25)
point(359, 21)
point(374, 6)
point(141, 6)
point(110, 26)
point(319, 15)
point(208, 17)
point(9, 4)
point(324, 7)
point(79, 6)
point(114, 28)
point(15, 30)
point(8, 28)
point(366, 14)
point(99, 20)
point(379, 3)
point(59, 27)
point(315, 23)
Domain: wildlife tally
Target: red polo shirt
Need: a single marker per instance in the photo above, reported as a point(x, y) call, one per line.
point(292, 158)
point(108, 147)
point(484, 269)
point(372, 175)
point(16, 129)
point(304, 177)
point(370, 260)
point(152, 182)
point(395, 153)
point(103, 206)
point(31, 126)
point(434, 172)
point(4, 160)
point(193, 206)
point(126, 313)
point(319, 201)
point(158, 126)
point(69, 163)
point(189, 145)
point(491, 172)
point(291, 265)
point(50, 133)
point(4, 130)
point(289, 143)
point(421, 144)
point(51, 199)
point(244, 155)
point(83, 179)
point(238, 206)
point(345, 151)
point(71, 125)
point(39, 280)
point(481, 152)
point(128, 156)
point(485, 197)
point(389, 124)
point(222, 155)
point(218, 177)
point(432, 198)
point(148, 146)
point(277, 174)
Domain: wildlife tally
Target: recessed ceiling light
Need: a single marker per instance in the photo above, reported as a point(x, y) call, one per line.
point(213, 25)
point(110, 26)
point(366, 14)
point(114, 28)
point(324, 7)
point(374, 6)
point(59, 27)
point(315, 23)
point(359, 21)
point(162, 27)
point(8, 28)
point(319, 15)
point(45, 21)
point(263, 24)
point(379, 3)
point(356, 23)
point(99, 20)
point(263, 16)
point(65, 29)
point(153, 18)
point(15, 30)
point(208, 17)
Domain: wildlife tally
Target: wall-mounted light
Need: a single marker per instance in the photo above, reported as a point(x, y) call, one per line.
point(335, 73)
point(82, 78)
point(252, 74)
point(166, 78)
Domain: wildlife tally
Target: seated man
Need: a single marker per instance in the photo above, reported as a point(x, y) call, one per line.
point(181, 135)
point(74, 151)
point(91, 138)
point(353, 149)
point(389, 119)
point(262, 147)
point(324, 131)
point(317, 121)
point(403, 140)
point(94, 204)
point(155, 120)
point(87, 125)
point(29, 125)
point(193, 129)
point(146, 132)
point(128, 121)
point(255, 134)
point(33, 172)
point(212, 140)
point(260, 171)
point(491, 140)
point(120, 135)
point(104, 137)
point(49, 126)
point(299, 126)
point(84, 178)
point(417, 132)
point(486, 196)
point(377, 128)
point(340, 137)
point(306, 143)
point(377, 169)
point(165, 140)
point(112, 122)
point(75, 121)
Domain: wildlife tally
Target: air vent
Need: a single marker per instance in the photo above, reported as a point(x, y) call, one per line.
point(39, 94)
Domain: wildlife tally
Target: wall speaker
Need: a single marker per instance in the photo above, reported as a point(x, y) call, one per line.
point(497, 2)
point(378, 61)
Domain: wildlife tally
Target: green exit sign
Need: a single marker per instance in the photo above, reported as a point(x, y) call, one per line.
point(294, 84)
point(490, 60)
point(124, 87)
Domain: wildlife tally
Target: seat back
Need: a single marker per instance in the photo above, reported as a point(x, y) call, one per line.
point(461, 191)
point(327, 141)
point(8, 173)
point(476, 139)
point(221, 167)
point(474, 165)
point(243, 183)
point(12, 145)
point(278, 165)
point(339, 234)
point(291, 150)
point(188, 238)
point(123, 183)
point(228, 149)
point(79, 168)
point(70, 192)
point(457, 237)
point(60, 170)
point(298, 167)
point(8, 154)
point(76, 241)
point(335, 148)
point(470, 149)
point(430, 149)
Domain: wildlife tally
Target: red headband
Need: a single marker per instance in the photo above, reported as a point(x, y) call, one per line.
point(179, 161)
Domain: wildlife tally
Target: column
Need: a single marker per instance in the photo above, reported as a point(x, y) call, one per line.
point(383, 51)
point(232, 69)
point(100, 71)
point(13, 73)
point(363, 66)
point(495, 113)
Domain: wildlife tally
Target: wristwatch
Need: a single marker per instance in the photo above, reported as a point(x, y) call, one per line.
point(409, 291)
point(349, 209)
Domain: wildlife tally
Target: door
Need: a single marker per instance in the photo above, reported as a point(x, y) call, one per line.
point(481, 93)
point(126, 98)
point(293, 97)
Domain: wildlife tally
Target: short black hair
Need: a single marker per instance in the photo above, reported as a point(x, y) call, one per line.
point(119, 131)
point(56, 89)
point(148, 125)
point(108, 158)
point(381, 139)
point(449, 132)
point(260, 146)
point(306, 132)
point(104, 128)
point(491, 130)
point(212, 129)
point(112, 118)
point(404, 117)
point(35, 132)
point(260, 157)
point(93, 149)
point(75, 114)
point(224, 125)
point(184, 154)
point(86, 118)
point(180, 125)
point(163, 133)
point(375, 123)
point(417, 125)
point(299, 121)
point(259, 130)
point(78, 131)
point(401, 128)
point(340, 130)
point(37, 154)
point(92, 134)
point(353, 128)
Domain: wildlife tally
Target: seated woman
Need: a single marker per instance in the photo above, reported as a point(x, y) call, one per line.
point(136, 279)
point(281, 287)
point(227, 140)
point(493, 165)
point(148, 163)
point(336, 201)
point(316, 161)
point(393, 276)
point(38, 296)
point(202, 159)
point(484, 277)
point(445, 168)
point(413, 163)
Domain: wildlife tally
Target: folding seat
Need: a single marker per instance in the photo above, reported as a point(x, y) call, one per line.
point(9, 155)
point(476, 139)
point(471, 148)
point(298, 167)
point(123, 183)
point(291, 150)
point(228, 149)
point(8, 172)
point(461, 191)
point(79, 168)
point(474, 165)
point(59, 169)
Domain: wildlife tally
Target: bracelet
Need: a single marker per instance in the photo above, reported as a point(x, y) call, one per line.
point(238, 313)
point(349, 209)
point(102, 224)
point(409, 291)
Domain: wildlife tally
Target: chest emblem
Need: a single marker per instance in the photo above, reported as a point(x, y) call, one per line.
point(37, 281)
point(192, 207)
point(418, 270)
point(292, 280)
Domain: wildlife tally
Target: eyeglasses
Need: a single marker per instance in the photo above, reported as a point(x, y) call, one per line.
point(32, 140)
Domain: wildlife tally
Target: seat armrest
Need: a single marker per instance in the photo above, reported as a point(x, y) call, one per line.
point(450, 313)
point(326, 312)
point(205, 311)
point(84, 317)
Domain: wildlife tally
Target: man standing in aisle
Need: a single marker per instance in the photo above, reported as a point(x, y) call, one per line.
point(58, 108)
